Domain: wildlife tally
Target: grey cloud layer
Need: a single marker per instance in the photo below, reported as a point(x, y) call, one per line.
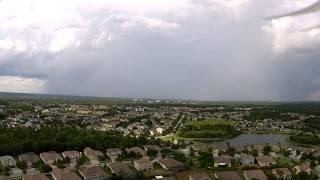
point(203, 54)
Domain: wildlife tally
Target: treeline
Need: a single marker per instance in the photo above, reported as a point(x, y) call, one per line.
point(306, 139)
point(20, 140)
point(209, 131)
point(313, 123)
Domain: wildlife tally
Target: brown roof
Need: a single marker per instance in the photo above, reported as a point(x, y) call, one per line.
point(61, 174)
point(265, 159)
point(228, 175)
point(71, 154)
point(29, 157)
point(245, 156)
point(114, 151)
point(35, 177)
point(255, 174)
point(50, 156)
point(304, 167)
point(92, 154)
point(222, 159)
point(170, 163)
point(92, 170)
point(119, 168)
point(144, 160)
point(285, 171)
point(155, 147)
point(136, 150)
point(199, 176)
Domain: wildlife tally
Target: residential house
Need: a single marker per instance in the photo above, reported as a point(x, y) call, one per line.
point(136, 150)
point(282, 173)
point(246, 159)
point(266, 161)
point(199, 176)
point(120, 168)
point(8, 161)
point(302, 168)
point(114, 153)
point(62, 174)
point(239, 148)
point(92, 155)
point(227, 175)
point(171, 164)
point(215, 153)
point(163, 178)
point(34, 177)
point(50, 157)
point(154, 147)
point(89, 172)
point(29, 158)
point(73, 155)
point(254, 174)
point(143, 164)
point(222, 161)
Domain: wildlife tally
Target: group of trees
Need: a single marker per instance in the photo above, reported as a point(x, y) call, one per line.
point(209, 131)
point(15, 141)
point(306, 139)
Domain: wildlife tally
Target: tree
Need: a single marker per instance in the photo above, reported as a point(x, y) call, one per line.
point(192, 152)
point(152, 152)
point(267, 149)
point(254, 153)
point(205, 159)
point(82, 160)
point(7, 170)
point(22, 165)
point(231, 151)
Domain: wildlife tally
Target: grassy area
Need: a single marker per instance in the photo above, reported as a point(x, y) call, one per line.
point(211, 128)
point(212, 122)
point(285, 162)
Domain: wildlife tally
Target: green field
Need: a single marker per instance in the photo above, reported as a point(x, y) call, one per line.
point(211, 128)
point(211, 122)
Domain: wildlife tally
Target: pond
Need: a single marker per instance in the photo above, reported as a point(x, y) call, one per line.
point(247, 139)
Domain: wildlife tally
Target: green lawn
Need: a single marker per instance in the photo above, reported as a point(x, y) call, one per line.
point(207, 122)
point(285, 162)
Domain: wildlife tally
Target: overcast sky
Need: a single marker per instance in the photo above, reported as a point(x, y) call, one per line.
point(190, 49)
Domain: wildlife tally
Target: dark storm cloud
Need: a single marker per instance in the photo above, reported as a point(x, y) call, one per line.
point(207, 51)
